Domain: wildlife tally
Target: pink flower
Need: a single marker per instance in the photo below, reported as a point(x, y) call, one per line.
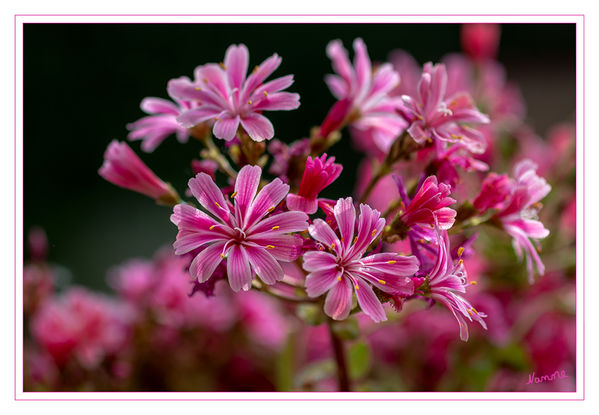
point(430, 204)
point(161, 123)
point(123, 168)
point(447, 162)
point(435, 117)
point(496, 190)
point(480, 40)
point(241, 233)
point(445, 281)
point(344, 267)
point(519, 216)
point(262, 318)
point(224, 94)
point(80, 325)
point(318, 174)
point(372, 113)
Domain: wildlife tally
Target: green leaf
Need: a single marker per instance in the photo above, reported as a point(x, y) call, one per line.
point(359, 359)
point(347, 329)
point(311, 314)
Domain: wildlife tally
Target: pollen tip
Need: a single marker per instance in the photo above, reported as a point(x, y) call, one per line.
point(391, 262)
point(460, 262)
point(383, 282)
point(374, 232)
point(222, 65)
point(270, 209)
point(461, 251)
point(339, 278)
point(222, 255)
point(355, 239)
point(211, 227)
point(265, 93)
point(270, 246)
point(233, 195)
point(274, 228)
point(249, 102)
point(473, 283)
point(357, 287)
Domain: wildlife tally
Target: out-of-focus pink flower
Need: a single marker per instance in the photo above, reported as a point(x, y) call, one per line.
point(124, 168)
point(38, 283)
point(81, 325)
point(344, 269)
point(447, 162)
point(495, 192)
point(204, 166)
point(480, 40)
point(363, 95)
point(134, 280)
point(443, 283)
point(251, 242)
point(318, 174)
point(430, 205)
point(384, 192)
point(286, 158)
point(37, 242)
point(435, 117)
point(161, 123)
point(568, 218)
point(262, 318)
point(519, 216)
point(228, 96)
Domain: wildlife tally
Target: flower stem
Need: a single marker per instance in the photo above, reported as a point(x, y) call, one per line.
point(212, 152)
point(342, 370)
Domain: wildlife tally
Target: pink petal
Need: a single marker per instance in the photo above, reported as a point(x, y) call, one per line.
point(238, 269)
point(191, 118)
point(204, 264)
point(363, 67)
point(322, 232)
point(209, 195)
point(319, 261)
point(345, 214)
point(264, 265)
point(236, 63)
point(285, 222)
point(368, 301)
point(337, 86)
point(183, 89)
point(284, 248)
point(153, 105)
point(277, 102)
point(246, 187)
point(319, 282)
point(258, 127)
point(302, 204)
point(214, 79)
point(260, 73)
point(226, 127)
point(339, 299)
point(268, 198)
point(188, 241)
point(370, 225)
point(340, 62)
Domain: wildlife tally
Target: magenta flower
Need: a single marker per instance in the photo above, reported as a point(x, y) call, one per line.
point(480, 40)
point(344, 269)
point(161, 123)
point(445, 281)
point(519, 216)
point(318, 174)
point(496, 191)
point(372, 113)
point(435, 117)
point(224, 94)
point(430, 204)
point(124, 168)
point(240, 232)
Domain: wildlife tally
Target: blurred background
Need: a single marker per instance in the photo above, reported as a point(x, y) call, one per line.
point(83, 85)
point(84, 82)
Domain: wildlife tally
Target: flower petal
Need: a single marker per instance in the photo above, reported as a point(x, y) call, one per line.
point(339, 300)
point(268, 198)
point(322, 232)
point(368, 301)
point(236, 63)
point(204, 264)
point(319, 261)
point(238, 269)
point(345, 214)
point(153, 105)
point(226, 127)
point(284, 248)
point(258, 127)
point(264, 265)
point(209, 195)
point(285, 222)
point(319, 282)
point(246, 187)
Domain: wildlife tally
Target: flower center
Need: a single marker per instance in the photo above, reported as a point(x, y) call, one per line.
point(239, 235)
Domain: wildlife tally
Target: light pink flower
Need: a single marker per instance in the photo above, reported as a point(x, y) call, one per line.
point(228, 96)
point(161, 123)
point(496, 190)
point(251, 242)
point(124, 168)
point(318, 174)
point(430, 204)
point(480, 40)
point(345, 269)
point(80, 325)
point(519, 216)
point(435, 117)
point(363, 95)
point(445, 281)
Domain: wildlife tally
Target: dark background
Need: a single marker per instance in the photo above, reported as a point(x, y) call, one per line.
point(83, 83)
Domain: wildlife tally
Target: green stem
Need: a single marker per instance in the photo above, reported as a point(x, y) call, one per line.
point(340, 359)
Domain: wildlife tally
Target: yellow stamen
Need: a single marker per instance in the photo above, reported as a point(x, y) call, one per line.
point(270, 209)
point(222, 255)
point(274, 228)
point(222, 65)
point(341, 239)
point(265, 93)
point(474, 310)
point(205, 80)
point(212, 227)
point(270, 246)
point(198, 88)
point(460, 250)
point(339, 278)
point(460, 262)
point(249, 102)
point(215, 118)
point(255, 69)
point(216, 203)
point(473, 283)
point(429, 140)
point(233, 195)
point(355, 239)
point(391, 262)
point(470, 312)
point(374, 232)
point(383, 282)
point(357, 287)
point(333, 245)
